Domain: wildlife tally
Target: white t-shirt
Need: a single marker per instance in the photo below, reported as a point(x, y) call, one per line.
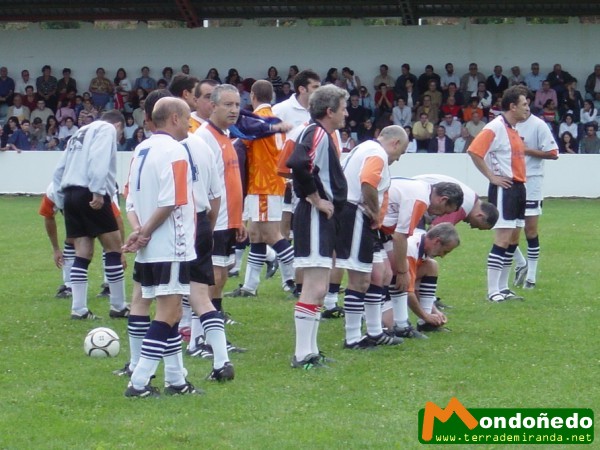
point(537, 136)
point(160, 176)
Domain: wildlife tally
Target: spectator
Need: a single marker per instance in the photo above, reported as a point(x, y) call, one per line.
point(558, 79)
point(568, 143)
point(412, 143)
point(470, 80)
point(533, 80)
point(138, 137)
point(213, 74)
point(426, 77)
point(568, 125)
point(78, 105)
point(383, 77)
point(167, 74)
point(66, 131)
point(293, 71)
point(286, 92)
point(366, 101)
point(452, 126)
point(453, 92)
point(130, 127)
point(402, 114)
point(47, 86)
point(496, 83)
point(18, 110)
point(139, 115)
point(162, 84)
point(86, 113)
point(347, 142)
point(38, 134)
point(572, 101)
point(588, 113)
point(65, 111)
point(7, 89)
point(435, 95)
point(592, 83)
point(550, 115)
point(441, 143)
point(185, 69)
point(41, 111)
point(52, 128)
point(411, 96)
point(30, 98)
point(450, 107)
point(52, 144)
point(495, 110)
point(101, 89)
point(19, 138)
point(122, 89)
point(475, 125)
point(430, 109)
point(274, 78)
point(23, 82)
point(449, 78)
point(543, 94)
point(66, 84)
point(356, 115)
point(367, 130)
point(462, 143)
point(423, 131)
point(485, 98)
point(467, 111)
point(245, 102)
point(384, 104)
point(400, 85)
point(590, 144)
point(233, 77)
point(146, 82)
point(332, 77)
point(515, 77)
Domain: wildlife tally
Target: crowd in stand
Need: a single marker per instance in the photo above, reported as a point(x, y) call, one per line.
point(441, 113)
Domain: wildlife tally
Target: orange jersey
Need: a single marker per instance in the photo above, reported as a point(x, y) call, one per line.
point(262, 157)
point(195, 122)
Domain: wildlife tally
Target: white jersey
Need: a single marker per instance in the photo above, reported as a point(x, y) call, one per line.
point(469, 195)
point(205, 175)
point(408, 201)
point(366, 163)
point(292, 112)
point(89, 160)
point(160, 176)
point(537, 135)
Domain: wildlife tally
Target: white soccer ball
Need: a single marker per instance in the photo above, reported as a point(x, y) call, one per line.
point(101, 343)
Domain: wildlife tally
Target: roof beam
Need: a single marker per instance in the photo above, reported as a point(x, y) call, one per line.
point(189, 14)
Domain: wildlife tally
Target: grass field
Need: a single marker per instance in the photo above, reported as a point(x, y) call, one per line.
point(542, 352)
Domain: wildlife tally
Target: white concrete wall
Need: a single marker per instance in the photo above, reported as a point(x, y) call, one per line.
point(252, 49)
point(569, 176)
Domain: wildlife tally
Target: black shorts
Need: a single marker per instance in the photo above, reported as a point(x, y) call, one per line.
point(355, 242)
point(509, 201)
point(287, 196)
point(314, 236)
point(162, 278)
point(201, 269)
point(81, 220)
point(223, 254)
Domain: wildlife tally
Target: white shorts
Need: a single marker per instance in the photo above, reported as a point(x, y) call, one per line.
point(264, 208)
point(533, 206)
point(379, 256)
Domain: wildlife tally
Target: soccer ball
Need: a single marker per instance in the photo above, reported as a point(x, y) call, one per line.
point(101, 343)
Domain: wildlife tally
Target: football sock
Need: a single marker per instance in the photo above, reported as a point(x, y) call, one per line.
point(240, 248)
point(68, 259)
point(197, 332)
point(399, 301)
point(173, 357)
point(520, 260)
point(314, 346)
point(494, 268)
point(533, 255)
point(427, 289)
point(153, 347)
point(186, 316)
point(137, 327)
point(214, 327)
point(331, 297)
point(79, 285)
point(113, 269)
point(305, 319)
point(373, 299)
point(218, 304)
point(354, 305)
point(271, 255)
point(285, 255)
point(256, 258)
point(506, 265)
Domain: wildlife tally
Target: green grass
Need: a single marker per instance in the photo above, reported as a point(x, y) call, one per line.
point(539, 353)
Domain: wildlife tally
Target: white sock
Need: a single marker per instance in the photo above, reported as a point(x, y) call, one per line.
point(354, 306)
point(186, 316)
point(173, 359)
point(271, 255)
point(315, 332)
point(113, 270)
point(68, 259)
point(79, 285)
point(305, 319)
point(239, 256)
point(520, 260)
point(137, 327)
point(256, 259)
point(373, 299)
point(399, 306)
point(213, 325)
point(197, 332)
